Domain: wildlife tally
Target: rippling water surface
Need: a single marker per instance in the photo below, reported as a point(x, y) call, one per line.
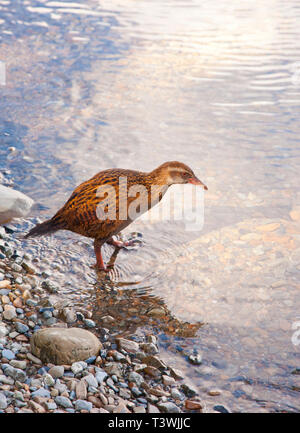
point(215, 84)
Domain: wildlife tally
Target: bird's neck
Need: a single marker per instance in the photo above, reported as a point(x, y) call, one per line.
point(158, 183)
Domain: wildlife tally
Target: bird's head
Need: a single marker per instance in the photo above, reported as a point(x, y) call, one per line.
point(174, 172)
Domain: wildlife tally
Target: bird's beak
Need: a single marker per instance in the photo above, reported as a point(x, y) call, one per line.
point(195, 181)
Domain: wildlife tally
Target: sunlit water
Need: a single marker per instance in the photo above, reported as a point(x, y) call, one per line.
point(215, 84)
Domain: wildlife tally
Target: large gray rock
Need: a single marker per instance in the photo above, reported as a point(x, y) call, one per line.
point(64, 345)
point(13, 204)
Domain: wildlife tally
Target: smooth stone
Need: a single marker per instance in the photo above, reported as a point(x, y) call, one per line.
point(124, 393)
point(188, 390)
point(18, 364)
point(21, 328)
point(139, 409)
point(136, 378)
point(61, 387)
point(6, 380)
point(50, 405)
point(41, 392)
point(193, 405)
point(168, 407)
point(176, 394)
point(128, 345)
point(10, 313)
point(13, 204)
point(48, 380)
point(18, 395)
point(15, 373)
point(83, 405)
point(3, 401)
point(220, 408)
point(167, 380)
point(195, 359)
point(89, 323)
point(33, 358)
point(64, 345)
point(101, 376)
point(81, 390)
point(78, 367)
point(91, 380)
point(63, 401)
point(8, 354)
point(152, 409)
point(149, 348)
point(155, 362)
point(90, 360)
point(57, 371)
point(3, 330)
point(114, 368)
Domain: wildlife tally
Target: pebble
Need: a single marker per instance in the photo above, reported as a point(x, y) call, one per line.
point(81, 389)
point(136, 377)
point(149, 348)
point(50, 405)
point(15, 373)
point(57, 371)
point(48, 380)
point(195, 359)
point(18, 364)
point(221, 408)
point(100, 376)
point(41, 392)
point(83, 405)
point(91, 380)
point(167, 380)
point(21, 328)
point(214, 392)
point(3, 401)
point(63, 401)
point(152, 409)
point(33, 358)
point(176, 394)
point(189, 390)
point(128, 345)
point(78, 367)
point(89, 323)
point(6, 380)
point(8, 354)
point(9, 313)
point(169, 407)
point(192, 405)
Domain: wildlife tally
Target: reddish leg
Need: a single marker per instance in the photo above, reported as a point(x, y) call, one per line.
point(99, 264)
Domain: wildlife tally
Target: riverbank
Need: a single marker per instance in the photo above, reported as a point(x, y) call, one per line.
point(125, 376)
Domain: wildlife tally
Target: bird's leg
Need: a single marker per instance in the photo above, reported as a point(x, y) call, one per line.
point(119, 244)
point(99, 263)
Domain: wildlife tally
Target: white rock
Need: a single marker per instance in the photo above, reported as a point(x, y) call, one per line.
point(13, 204)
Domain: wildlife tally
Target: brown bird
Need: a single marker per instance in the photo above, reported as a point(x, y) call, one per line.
point(108, 202)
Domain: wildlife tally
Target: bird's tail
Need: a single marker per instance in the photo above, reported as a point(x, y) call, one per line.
point(45, 228)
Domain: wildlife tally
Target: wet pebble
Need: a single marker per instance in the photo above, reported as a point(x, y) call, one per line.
point(63, 401)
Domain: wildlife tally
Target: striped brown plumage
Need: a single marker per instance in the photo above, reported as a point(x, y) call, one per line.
point(79, 213)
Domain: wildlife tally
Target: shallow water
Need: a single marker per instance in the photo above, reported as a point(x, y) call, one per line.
point(92, 85)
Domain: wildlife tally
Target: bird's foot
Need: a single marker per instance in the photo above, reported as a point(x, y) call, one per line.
point(101, 267)
point(120, 244)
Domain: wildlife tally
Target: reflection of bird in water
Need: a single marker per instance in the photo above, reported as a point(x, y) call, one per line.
point(123, 311)
point(108, 202)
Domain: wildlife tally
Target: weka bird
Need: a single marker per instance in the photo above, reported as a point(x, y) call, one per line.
point(99, 208)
